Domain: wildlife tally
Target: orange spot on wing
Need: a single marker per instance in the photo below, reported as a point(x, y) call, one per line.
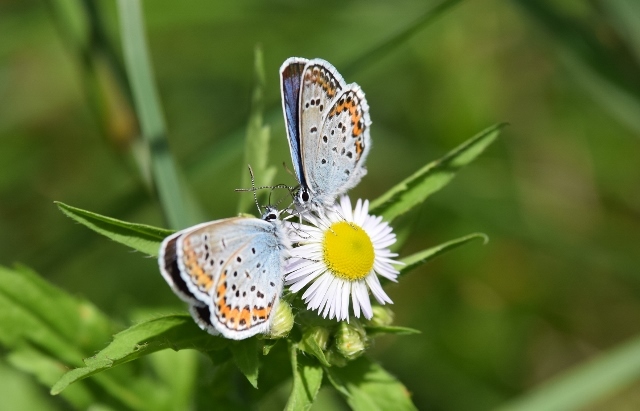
point(359, 149)
point(233, 319)
point(261, 313)
point(322, 78)
point(195, 270)
point(246, 316)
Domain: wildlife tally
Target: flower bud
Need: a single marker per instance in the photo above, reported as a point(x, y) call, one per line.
point(382, 316)
point(350, 340)
point(335, 358)
point(282, 321)
point(320, 335)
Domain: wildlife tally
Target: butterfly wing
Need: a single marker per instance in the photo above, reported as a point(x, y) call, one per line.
point(172, 269)
point(246, 258)
point(290, 78)
point(230, 272)
point(321, 84)
point(341, 147)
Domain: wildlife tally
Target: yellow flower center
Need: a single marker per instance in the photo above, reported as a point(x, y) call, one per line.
point(348, 251)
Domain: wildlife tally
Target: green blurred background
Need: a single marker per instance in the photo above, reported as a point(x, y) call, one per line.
point(558, 194)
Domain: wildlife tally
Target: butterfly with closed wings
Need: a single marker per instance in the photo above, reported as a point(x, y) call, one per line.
point(327, 124)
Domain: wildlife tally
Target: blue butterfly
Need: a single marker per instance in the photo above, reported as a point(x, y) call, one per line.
point(229, 271)
point(327, 125)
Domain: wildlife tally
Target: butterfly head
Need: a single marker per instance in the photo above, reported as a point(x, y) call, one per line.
point(302, 197)
point(270, 214)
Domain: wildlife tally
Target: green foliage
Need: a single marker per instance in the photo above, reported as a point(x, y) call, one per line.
point(367, 386)
point(421, 257)
point(175, 331)
point(389, 329)
point(47, 331)
point(586, 383)
point(256, 152)
point(432, 177)
point(140, 237)
point(559, 199)
point(362, 382)
point(34, 312)
point(307, 380)
point(245, 355)
point(181, 211)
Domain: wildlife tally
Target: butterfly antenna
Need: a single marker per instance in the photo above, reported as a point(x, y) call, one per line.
point(253, 188)
point(289, 171)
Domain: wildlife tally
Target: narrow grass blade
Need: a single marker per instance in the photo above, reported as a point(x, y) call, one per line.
point(585, 383)
point(432, 177)
point(171, 190)
point(370, 56)
point(140, 237)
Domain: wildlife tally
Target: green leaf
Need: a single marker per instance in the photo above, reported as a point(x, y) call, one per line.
point(421, 257)
point(179, 207)
point(245, 355)
point(268, 345)
point(368, 387)
point(389, 329)
point(47, 371)
point(307, 379)
point(20, 392)
point(178, 372)
point(35, 311)
point(369, 57)
point(144, 238)
point(585, 383)
point(432, 177)
point(256, 151)
point(309, 345)
point(171, 331)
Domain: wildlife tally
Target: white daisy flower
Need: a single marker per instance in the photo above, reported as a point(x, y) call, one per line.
point(341, 256)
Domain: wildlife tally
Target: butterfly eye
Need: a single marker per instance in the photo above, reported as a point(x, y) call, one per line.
point(271, 217)
point(305, 196)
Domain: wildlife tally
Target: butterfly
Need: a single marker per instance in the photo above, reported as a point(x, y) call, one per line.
point(229, 271)
point(327, 124)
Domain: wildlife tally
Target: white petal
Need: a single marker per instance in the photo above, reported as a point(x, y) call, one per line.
point(320, 285)
point(356, 212)
point(385, 260)
point(365, 208)
point(385, 244)
point(354, 299)
point(345, 206)
point(304, 271)
point(385, 253)
point(346, 291)
point(301, 283)
point(329, 299)
point(388, 274)
point(376, 289)
point(338, 299)
point(363, 298)
point(320, 295)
